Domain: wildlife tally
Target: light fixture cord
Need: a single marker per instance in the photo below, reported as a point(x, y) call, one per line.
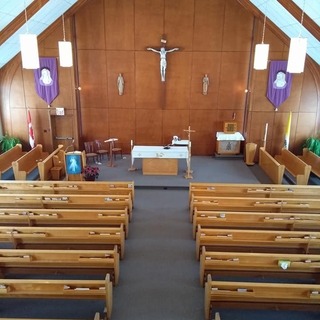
point(25, 15)
point(302, 16)
point(63, 28)
point(264, 23)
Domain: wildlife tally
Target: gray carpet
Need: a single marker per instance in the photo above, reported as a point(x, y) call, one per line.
point(159, 275)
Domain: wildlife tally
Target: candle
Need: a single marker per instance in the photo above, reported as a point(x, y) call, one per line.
point(131, 142)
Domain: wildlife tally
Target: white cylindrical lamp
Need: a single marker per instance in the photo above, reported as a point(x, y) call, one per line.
point(261, 56)
point(65, 54)
point(29, 51)
point(297, 55)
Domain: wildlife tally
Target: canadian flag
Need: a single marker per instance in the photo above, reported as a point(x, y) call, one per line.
point(31, 133)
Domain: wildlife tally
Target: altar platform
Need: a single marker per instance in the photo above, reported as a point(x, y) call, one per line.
point(205, 169)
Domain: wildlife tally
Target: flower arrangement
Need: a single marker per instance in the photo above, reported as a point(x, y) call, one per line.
point(90, 173)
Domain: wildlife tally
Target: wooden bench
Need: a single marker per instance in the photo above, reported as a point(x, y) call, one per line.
point(257, 241)
point(8, 157)
point(28, 162)
point(311, 159)
point(254, 204)
point(255, 220)
point(71, 238)
point(209, 189)
point(250, 265)
point(55, 159)
point(65, 217)
point(27, 261)
point(59, 289)
point(271, 166)
point(295, 166)
point(70, 187)
point(97, 316)
point(66, 201)
point(254, 295)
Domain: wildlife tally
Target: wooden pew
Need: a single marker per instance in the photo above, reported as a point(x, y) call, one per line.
point(271, 166)
point(295, 166)
point(311, 159)
point(257, 241)
point(27, 261)
point(251, 265)
point(97, 316)
point(66, 201)
point(59, 289)
point(72, 238)
point(28, 162)
point(255, 220)
point(8, 157)
point(253, 295)
point(46, 166)
point(252, 190)
point(69, 187)
point(297, 205)
point(65, 217)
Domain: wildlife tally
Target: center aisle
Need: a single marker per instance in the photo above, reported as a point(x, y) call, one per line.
point(159, 276)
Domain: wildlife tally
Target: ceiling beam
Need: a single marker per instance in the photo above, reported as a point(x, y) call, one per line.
point(20, 20)
point(296, 12)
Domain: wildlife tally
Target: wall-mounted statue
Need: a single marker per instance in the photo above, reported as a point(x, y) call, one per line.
point(205, 84)
point(120, 84)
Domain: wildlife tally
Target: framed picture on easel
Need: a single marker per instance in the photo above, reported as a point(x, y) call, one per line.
point(74, 164)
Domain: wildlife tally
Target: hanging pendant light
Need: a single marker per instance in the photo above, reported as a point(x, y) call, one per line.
point(65, 50)
point(261, 52)
point(29, 48)
point(297, 51)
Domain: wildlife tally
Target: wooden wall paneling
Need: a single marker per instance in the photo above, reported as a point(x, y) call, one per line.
point(309, 93)
point(238, 24)
point(89, 25)
point(205, 63)
point(122, 126)
point(148, 23)
point(149, 124)
point(95, 124)
point(203, 122)
point(209, 25)
point(174, 122)
point(178, 78)
point(150, 91)
point(63, 128)
point(119, 22)
point(179, 23)
point(233, 80)
point(93, 78)
point(121, 62)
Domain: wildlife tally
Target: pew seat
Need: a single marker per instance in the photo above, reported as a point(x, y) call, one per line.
point(32, 261)
point(65, 217)
point(97, 316)
point(71, 238)
point(255, 295)
point(263, 265)
point(59, 289)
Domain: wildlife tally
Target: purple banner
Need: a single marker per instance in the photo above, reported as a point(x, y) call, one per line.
point(46, 79)
point(279, 83)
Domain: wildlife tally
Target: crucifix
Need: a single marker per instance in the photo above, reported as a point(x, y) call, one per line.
point(163, 61)
point(189, 171)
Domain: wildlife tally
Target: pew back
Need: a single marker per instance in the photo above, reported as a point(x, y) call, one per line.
point(9, 156)
point(312, 159)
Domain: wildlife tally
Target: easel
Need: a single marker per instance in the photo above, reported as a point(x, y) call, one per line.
point(189, 171)
point(132, 168)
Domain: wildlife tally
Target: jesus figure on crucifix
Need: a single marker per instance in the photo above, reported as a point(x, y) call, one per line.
point(163, 61)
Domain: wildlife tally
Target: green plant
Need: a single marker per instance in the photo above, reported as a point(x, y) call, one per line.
point(7, 142)
point(313, 144)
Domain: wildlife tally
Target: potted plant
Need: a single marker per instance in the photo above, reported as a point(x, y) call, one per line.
point(90, 173)
point(313, 144)
point(7, 142)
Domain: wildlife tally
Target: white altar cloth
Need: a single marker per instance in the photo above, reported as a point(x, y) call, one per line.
point(237, 136)
point(144, 152)
point(180, 142)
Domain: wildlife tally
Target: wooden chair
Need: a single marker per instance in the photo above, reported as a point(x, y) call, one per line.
point(115, 150)
point(90, 149)
point(101, 149)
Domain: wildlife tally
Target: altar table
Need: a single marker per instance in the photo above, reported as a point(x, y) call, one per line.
point(159, 161)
